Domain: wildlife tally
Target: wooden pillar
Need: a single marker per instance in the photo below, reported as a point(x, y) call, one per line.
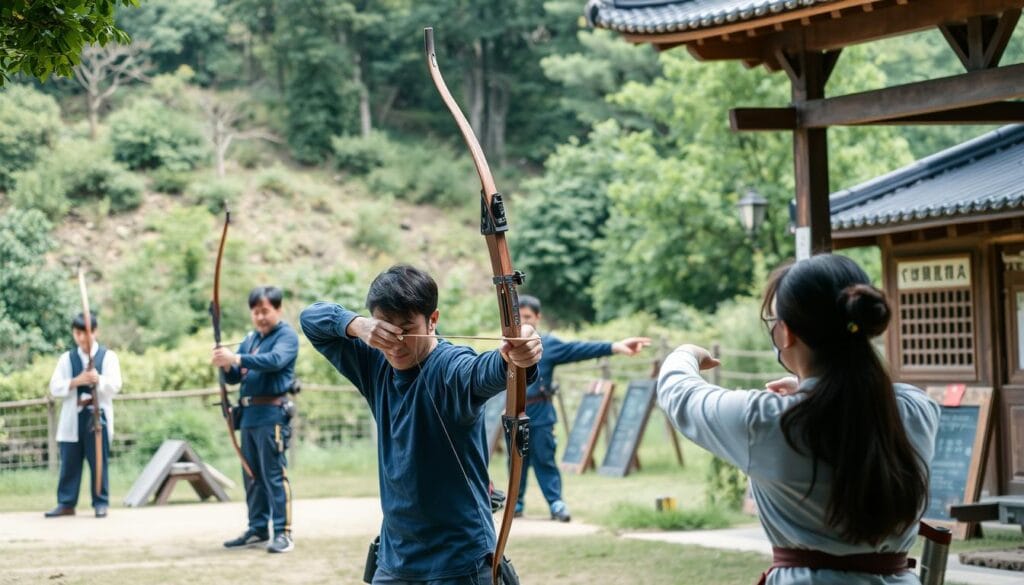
point(808, 73)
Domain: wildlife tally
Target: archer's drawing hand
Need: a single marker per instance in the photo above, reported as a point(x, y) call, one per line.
point(630, 345)
point(378, 334)
point(524, 352)
point(705, 360)
point(784, 386)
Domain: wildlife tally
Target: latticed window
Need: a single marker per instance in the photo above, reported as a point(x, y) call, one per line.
point(936, 329)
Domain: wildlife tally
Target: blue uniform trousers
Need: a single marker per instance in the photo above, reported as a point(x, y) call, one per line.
point(541, 458)
point(269, 496)
point(71, 457)
point(482, 576)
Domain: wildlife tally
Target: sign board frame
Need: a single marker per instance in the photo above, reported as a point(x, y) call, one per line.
point(955, 396)
point(648, 385)
point(605, 389)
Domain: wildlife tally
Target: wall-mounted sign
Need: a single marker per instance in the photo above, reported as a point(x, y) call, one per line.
point(945, 272)
point(803, 243)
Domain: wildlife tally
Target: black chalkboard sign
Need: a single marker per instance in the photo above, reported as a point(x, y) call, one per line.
point(951, 465)
point(590, 420)
point(493, 410)
point(959, 452)
point(629, 429)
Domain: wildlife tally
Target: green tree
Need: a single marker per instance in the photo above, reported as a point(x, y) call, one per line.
point(42, 37)
point(36, 303)
point(320, 100)
point(29, 124)
point(564, 214)
point(603, 63)
point(185, 32)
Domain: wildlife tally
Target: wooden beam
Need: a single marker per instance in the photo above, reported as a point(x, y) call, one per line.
point(810, 152)
point(915, 99)
point(762, 119)
point(996, 113)
point(1001, 37)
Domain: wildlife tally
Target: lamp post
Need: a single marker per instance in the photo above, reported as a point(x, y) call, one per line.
point(752, 208)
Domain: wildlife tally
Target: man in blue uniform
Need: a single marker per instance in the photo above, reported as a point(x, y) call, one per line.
point(542, 412)
point(265, 367)
point(427, 399)
point(73, 382)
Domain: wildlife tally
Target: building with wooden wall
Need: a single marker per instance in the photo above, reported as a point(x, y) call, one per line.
point(951, 231)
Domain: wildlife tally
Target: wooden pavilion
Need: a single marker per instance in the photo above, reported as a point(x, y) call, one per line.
point(804, 38)
point(960, 210)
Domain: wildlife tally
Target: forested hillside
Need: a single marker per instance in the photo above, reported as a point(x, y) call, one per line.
point(318, 125)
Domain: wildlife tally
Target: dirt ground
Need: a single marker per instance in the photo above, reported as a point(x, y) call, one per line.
point(154, 538)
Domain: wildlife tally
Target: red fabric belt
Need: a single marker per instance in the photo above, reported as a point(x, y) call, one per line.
point(873, 563)
point(261, 401)
point(537, 399)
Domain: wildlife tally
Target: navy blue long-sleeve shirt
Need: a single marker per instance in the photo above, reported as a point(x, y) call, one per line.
point(557, 352)
point(267, 369)
point(432, 455)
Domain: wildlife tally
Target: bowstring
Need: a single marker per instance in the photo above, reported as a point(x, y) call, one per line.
point(451, 445)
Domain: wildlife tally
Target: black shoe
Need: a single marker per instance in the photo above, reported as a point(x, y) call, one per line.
point(101, 511)
point(249, 538)
point(60, 511)
point(282, 543)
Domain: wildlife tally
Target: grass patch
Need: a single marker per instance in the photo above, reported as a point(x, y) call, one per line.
point(579, 560)
point(632, 516)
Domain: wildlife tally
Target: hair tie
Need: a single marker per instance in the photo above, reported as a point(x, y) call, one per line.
point(852, 327)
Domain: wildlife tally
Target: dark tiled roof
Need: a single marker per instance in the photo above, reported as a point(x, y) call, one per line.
point(663, 16)
point(984, 175)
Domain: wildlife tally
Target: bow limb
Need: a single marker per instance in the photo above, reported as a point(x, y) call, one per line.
point(97, 422)
point(493, 225)
point(225, 403)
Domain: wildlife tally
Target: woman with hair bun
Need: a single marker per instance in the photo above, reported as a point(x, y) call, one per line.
point(837, 456)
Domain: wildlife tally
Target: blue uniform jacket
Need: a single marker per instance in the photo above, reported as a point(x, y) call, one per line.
point(557, 352)
point(432, 458)
point(268, 369)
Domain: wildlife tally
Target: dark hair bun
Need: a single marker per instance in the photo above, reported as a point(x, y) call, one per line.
point(865, 310)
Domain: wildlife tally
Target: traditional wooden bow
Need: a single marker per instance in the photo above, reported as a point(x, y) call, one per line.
point(225, 403)
point(97, 422)
point(493, 225)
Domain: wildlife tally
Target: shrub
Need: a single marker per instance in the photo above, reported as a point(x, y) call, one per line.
point(422, 174)
point(215, 193)
point(726, 485)
point(249, 154)
point(359, 155)
point(123, 190)
point(29, 123)
point(170, 182)
point(372, 234)
point(44, 191)
point(630, 516)
point(177, 423)
point(148, 135)
point(77, 171)
point(276, 180)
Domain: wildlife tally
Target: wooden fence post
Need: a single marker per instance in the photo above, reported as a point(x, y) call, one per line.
point(51, 436)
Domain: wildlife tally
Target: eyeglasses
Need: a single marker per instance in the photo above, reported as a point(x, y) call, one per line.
point(769, 322)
